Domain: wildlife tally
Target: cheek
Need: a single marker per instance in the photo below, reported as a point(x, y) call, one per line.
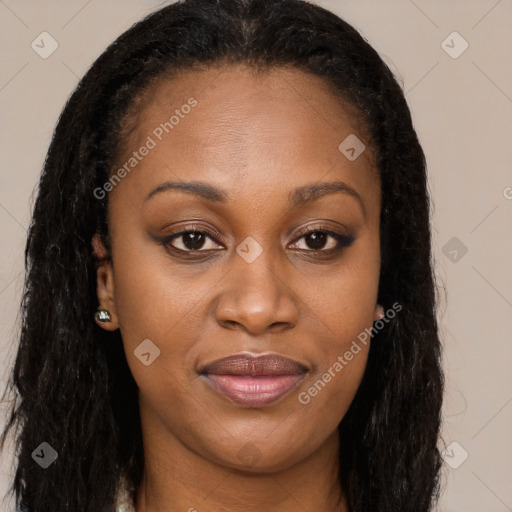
point(344, 314)
point(150, 291)
point(150, 305)
point(341, 353)
point(342, 300)
point(166, 303)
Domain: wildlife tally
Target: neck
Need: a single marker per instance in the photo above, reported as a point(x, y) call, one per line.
point(175, 478)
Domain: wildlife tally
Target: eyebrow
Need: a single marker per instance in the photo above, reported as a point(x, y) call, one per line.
point(298, 197)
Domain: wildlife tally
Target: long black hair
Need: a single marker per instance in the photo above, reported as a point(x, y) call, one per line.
point(73, 388)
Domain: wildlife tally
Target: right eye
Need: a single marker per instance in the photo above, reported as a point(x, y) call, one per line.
point(190, 240)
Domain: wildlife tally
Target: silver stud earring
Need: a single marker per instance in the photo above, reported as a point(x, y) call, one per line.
point(102, 315)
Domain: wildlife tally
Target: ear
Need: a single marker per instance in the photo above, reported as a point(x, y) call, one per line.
point(379, 312)
point(104, 284)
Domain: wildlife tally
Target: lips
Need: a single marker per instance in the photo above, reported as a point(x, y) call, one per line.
point(253, 380)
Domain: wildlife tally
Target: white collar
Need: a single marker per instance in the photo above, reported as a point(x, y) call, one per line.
point(124, 501)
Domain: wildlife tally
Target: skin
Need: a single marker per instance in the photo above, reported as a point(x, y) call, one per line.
point(258, 137)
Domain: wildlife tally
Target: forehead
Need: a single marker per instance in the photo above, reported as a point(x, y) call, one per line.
point(260, 127)
point(238, 99)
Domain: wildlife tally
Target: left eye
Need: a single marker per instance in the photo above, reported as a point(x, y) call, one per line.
point(318, 238)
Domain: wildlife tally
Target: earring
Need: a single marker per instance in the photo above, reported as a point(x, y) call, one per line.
point(102, 315)
point(380, 315)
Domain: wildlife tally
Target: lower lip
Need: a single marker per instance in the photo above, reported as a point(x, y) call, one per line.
point(254, 391)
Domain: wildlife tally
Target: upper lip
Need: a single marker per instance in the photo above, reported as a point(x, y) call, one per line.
point(254, 364)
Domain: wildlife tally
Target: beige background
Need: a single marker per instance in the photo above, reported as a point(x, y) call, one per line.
point(462, 109)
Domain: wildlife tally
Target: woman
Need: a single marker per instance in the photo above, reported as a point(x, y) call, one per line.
point(294, 364)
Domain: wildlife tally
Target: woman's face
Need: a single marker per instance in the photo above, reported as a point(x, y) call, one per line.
point(256, 162)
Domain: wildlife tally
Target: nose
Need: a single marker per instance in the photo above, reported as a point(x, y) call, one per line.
point(257, 297)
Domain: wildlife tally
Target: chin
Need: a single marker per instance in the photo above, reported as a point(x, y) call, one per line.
point(254, 457)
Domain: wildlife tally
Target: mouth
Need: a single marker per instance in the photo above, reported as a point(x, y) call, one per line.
point(253, 380)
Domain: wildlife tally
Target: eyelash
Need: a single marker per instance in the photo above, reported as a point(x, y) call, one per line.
point(344, 241)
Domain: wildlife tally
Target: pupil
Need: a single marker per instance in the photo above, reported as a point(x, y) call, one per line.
point(318, 240)
point(194, 240)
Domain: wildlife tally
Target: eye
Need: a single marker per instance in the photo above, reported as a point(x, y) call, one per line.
point(317, 238)
point(191, 240)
